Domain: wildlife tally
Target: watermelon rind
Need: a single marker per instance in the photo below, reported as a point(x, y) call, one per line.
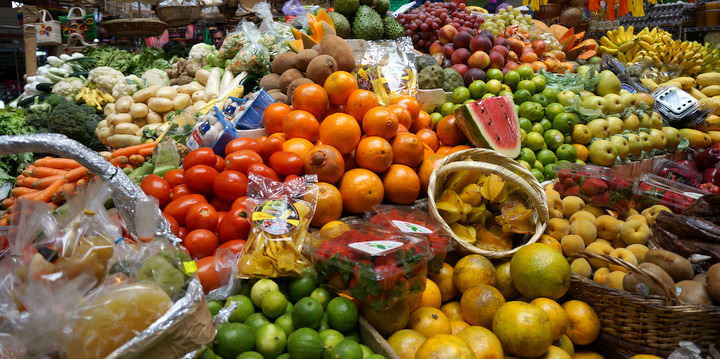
point(501, 134)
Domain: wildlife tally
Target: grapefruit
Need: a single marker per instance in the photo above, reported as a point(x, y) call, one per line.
point(472, 270)
point(479, 304)
point(406, 343)
point(483, 342)
point(538, 270)
point(429, 321)
point(583, 323)
point(523, 329)
point(444, 346)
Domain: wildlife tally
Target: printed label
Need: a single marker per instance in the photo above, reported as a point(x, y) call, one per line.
point(190, 267)
point(407, 227)
point(375, 247)
point(628, 88)
point(276, 217)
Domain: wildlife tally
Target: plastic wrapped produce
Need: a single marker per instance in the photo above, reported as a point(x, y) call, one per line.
point(253, 57)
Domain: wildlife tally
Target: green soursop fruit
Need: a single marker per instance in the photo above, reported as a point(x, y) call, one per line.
point(423, 61)
point(367, 2)
point(392, 28)
point(382, 6)
point(368, 24)
point(452, 80)
point(347, 7)
point(431, 77)
point(342, 25)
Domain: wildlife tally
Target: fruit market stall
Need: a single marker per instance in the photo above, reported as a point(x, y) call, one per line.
point(350, 182)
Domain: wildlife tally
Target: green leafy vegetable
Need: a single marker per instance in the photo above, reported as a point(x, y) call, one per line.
point(58, 115)
point(14, 122)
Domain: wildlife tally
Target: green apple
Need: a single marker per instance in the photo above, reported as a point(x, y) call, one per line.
point(546, 124)
point(512, 78)
point(550, 93)
point(494, 86)
point(553, 110)
point(658, 138)
point(602, 152)
point(598, 128)
point(592, 102)
point(621, 144)
point(613, 104)
point(628, 99)
point(615, 125)
point(446, 109)
point(553, 138)
point(636, 147)
point(672, 136)
point(632, 122)
point(646, 141)
point(487, 95)
point(550, 171)
point(460, 94)
point(567, 97)
point(581, 134)
point(507, 93)
point(535, 141)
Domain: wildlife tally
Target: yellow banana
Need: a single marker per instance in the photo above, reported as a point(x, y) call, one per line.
point(607, 50)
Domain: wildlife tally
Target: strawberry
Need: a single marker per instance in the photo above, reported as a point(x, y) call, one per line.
point(572, 191)
point(593, 186)
point(560, 187)
point(602, 198)
point(619, 182)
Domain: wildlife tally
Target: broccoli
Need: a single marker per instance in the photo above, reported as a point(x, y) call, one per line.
point(75, 121)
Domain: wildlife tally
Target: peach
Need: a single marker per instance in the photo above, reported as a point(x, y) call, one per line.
point(447, 33)
point(479, 60)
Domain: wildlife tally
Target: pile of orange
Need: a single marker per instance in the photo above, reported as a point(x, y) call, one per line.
point(363, 153)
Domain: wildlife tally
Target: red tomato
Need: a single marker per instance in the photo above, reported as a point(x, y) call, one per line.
point(235, 245)
point(219, 164)
point(179, 207)
point(234, 225)
point(241, 203)
point(157, 187)
point(200, 178)
point(290, 178)
point(262, 170)
point(242, 143)
point(229, 185)
point(269, 146)
point(287, 163)
point(174, 177)
point(241, 160)
point(182, 232)
point(181, 190)
point(201, 156)
point(201, 216)
point(221, 215)
point(174, 226)
point(207, 274)
point(220, 205)
point(200, 243)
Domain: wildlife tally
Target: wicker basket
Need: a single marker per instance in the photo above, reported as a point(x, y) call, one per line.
point(549, 11)
point(645, 325)
point(135, 27)
point(179, 15)
point(491, 162)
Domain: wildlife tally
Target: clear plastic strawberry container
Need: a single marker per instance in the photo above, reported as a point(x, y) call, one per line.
point(599, 186)
point(374, 265)
point(651, 189)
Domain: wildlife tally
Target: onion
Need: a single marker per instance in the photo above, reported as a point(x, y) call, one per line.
point(571, 16)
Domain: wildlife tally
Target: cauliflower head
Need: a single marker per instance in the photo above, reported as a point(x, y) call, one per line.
point(106, 77)
point(156, 77)
point(123, 88)
point(199, 51)
point(68, 87)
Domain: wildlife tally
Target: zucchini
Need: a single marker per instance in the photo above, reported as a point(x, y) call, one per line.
point(44, 87)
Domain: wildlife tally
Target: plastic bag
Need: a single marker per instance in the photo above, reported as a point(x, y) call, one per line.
point(178, 3)
point(388, 68)
point(233, 42)
point(274, 34)
point(279, 227)
point(225, 264)
point(293, 8)
point(253, 57)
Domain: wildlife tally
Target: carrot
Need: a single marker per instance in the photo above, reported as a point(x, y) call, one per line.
point(46, 182)
point(81, 182)
point(146, 151)
point(59, 163)
point(68, 188)
point(46, 194)
point(26, 181)
point(8, 202)
point(75, 174)
point(117, 161)
point(19, 191)
point(131, 150)
point(4, 221)
point(41, 172)
point(136, 160)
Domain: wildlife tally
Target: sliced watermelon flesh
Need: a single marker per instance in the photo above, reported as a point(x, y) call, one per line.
point(492, 123)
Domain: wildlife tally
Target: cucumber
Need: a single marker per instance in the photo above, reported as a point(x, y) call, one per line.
point(44, 87)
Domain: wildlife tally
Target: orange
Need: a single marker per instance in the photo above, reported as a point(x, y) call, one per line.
point(410, 103)
point(523, 329)
point(583, 324)
point(341, 131)
point(301, 124)
point(422, 121)
point(452, 310)
point(379, 121)
point(427, 151)
point(431, 295)
point(273, 117)
point(311, 98)
point(444, 346)
point(407, 149)
point(459, 148)
point(359, 102)
point(456, 326)
point(339, 85)
point(281, 135)
point(582, 151)
point(472, 270)
point(299, 146)
point(402, 185)
point(329, 204)
point(429, 137)
point(426, 168)
point(444, 150)
point(479, 304)
point(556, 313)
point(406, 343)
point(449, 131)
point(483, 342)
point(444, 280)
point(325, 162)
point(361, 189)
point(402, 114)
point(374, 153)
point(429, 321)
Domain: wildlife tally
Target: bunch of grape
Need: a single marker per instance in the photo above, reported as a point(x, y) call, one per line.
point(507, 17)
point(423, 22)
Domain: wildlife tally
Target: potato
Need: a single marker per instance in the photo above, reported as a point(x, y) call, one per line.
point(103, 132)
point(181, 101)
point(109, 109)
point(118, 118)
point(127, 129)
point(123, 104)
point(202, 76)
point(197, 106)
point(153, 117)
point(138, 110)
point(198, 96)
point(144, 94)
point(122, 140)
point(160, 104)
point(191, 88)
point(141, 123)
point(166, 92)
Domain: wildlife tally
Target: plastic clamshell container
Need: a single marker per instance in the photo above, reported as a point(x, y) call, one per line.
point(651, 189)
point(376, 266)
point(599, 186)
point(674, 102)
point(677, 172)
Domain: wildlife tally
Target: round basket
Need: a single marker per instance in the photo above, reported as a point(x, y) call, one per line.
point(645, 325)
point(179, 15)
point(549, 11)
point(490, 162)
point(134, 27)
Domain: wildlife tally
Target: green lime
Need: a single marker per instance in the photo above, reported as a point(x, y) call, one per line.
point(256, 320)
point(526, 72)
point(209, 354)
point(540, 81)
point(525, 124)
point(284, 356)
point(436, 117)
point(457, 106)
point(527, 84)
point(260, 288)
point(447, 108)
point(521, 96)
point(494, 86)
point(460, 94)
point(285, 323)
point(580, 162)
point(539, 99)
point(321, 295)
point(550, 94)
point(507, 93)
point(289, 308)
point(525, 164)
point(538, 174)
point(553, 109)
point(553, 139)
point(563, 123)
point(232, 339)
point(538, 165)
point(303, 286)
point(274, 304)
point(323, 323)
point(375, 356)
point(494, 74)
point(487, 95)
point(568, 139)
point(366, 351)
point(477, 89)
point(534, 141)
point(250, 355)
point(533, 111)
point(527, 155)
point(308, 313)
point(347, 349)
point(566, 152)
point(546, 157)
point(470, 100)
point(546, 124)
point(537, 127)
point(270, 340)
point(550, 171)
point(354, 336)
point(305, 343)
point(523, 137)
point(243, 308)
point(512, 78)
point(214, 306)
point(342, 314)
point(330, 338)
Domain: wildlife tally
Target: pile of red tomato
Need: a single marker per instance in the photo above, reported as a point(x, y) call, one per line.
point(205, 202)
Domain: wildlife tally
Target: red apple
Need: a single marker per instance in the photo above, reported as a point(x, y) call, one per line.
point(511, 65)
point(447, 33)
point(515, 45)
point(460, 68)
point(460, 56)
point(480, 43)
point(497, 60)
point(500, 41)
point(479, 60)
point(539, 46)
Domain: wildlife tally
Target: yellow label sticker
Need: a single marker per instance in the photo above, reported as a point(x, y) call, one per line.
point(190, 267)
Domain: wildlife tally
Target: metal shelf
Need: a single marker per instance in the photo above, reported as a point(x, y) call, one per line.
point(702, 28)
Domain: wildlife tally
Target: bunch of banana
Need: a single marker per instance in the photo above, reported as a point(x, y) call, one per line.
point(94, 97)
point(617, 41)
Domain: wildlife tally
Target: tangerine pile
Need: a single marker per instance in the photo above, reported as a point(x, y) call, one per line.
point(363, 153)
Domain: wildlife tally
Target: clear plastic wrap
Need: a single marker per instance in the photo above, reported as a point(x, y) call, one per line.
point(233, 42)
point(387, 68)
point(651, 190)
point(274, 34)
point(165, 3)
point(253, 57)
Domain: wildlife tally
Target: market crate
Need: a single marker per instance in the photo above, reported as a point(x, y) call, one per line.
point(373, 339)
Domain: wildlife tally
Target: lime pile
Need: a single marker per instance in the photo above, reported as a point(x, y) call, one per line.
point(299, 321)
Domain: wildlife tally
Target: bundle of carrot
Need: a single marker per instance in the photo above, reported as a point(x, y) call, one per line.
point(133, 156)
point(48, 179)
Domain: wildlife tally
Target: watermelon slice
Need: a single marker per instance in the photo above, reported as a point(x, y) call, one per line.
point(492, 123)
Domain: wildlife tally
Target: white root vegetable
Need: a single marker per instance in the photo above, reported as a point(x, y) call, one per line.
point(123, 104)
point(197, 106)
point(191, 88)
point(181, 101)
point(212, 88)
point(109, 109)
point(202, 76)
point(227, 79)
point(144, 94)
point(126, 128)
point(122, 140)
point(118, 118)
point(138, 110)
point(160, 104)
point(166, 92)
point(140, 123)
point(153, 117)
